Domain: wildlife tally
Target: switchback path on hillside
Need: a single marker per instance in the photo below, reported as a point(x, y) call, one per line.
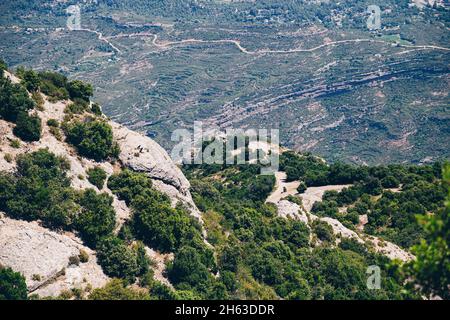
point(237, 43)
point(282, 188)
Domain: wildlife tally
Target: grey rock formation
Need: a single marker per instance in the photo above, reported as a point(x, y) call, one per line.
point(42, 256)
point(142, 154)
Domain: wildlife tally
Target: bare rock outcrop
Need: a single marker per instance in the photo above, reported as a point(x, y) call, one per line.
point(390, 250)
point(341, 230)
point(42, 256)
point(142, 154)
point(292, 210)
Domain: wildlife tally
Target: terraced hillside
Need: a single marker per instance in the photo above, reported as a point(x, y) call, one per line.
point(310, 68)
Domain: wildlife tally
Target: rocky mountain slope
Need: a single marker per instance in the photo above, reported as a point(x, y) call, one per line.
point(309, 68)
point(211, 232)
point(43, 255)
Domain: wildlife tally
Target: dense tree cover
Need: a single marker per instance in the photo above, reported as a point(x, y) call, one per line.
point(429, 273)
point(316, 172)
point(12, 285)
point(93, 138)
point(265, 256)
point(97, 177)
point(97, 217)
point(154, 220)
point(391, 215)
point(28, 127)
point(14, 100)
point(40, 189)
point(168, 229)
point(120, 260)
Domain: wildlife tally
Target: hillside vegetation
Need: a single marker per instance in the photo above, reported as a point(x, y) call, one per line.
point(242, 247)
point(309, 68)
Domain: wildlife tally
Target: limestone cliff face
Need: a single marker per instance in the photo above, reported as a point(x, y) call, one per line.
point(138, 152)
point(42, 254)
point(142, 154)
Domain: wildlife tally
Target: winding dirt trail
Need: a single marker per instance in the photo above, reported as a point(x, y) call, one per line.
point(283, 188)
point(101, 38)
point(237, 43)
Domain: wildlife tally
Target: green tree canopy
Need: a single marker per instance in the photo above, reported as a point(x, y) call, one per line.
point(28, 127)
point(12, 285)
point(93, 139)
point(97, 218)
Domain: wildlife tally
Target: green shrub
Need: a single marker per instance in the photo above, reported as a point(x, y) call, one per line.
point(15, 143)
point(28, 128)
point(97, 177)
point(3, 66)
point(323, 231)
point(30, 79)
point(154, 220)
point(117, 259)
point(390, 182)
point(128, 184)
point(54, 85)
point(7, 189)
point(302, 187)
point(188, 268)
point(93, 139)
point(36, 277)
point(97, 218)
point(41, 190)
point(261, 187)
point(56, 133)
point(53, 123)
point(96, 109)
point(83, 256)
point(142, 260)
point(79, 89)
point(160, 225)
point(228, 278)
point(117, 290)
point(14, 100)
point(39, 100)
point(12, 285)
point(160, 291)
point(147, 279)
point(74, 260)
point(8, 157)
point(76, 107)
